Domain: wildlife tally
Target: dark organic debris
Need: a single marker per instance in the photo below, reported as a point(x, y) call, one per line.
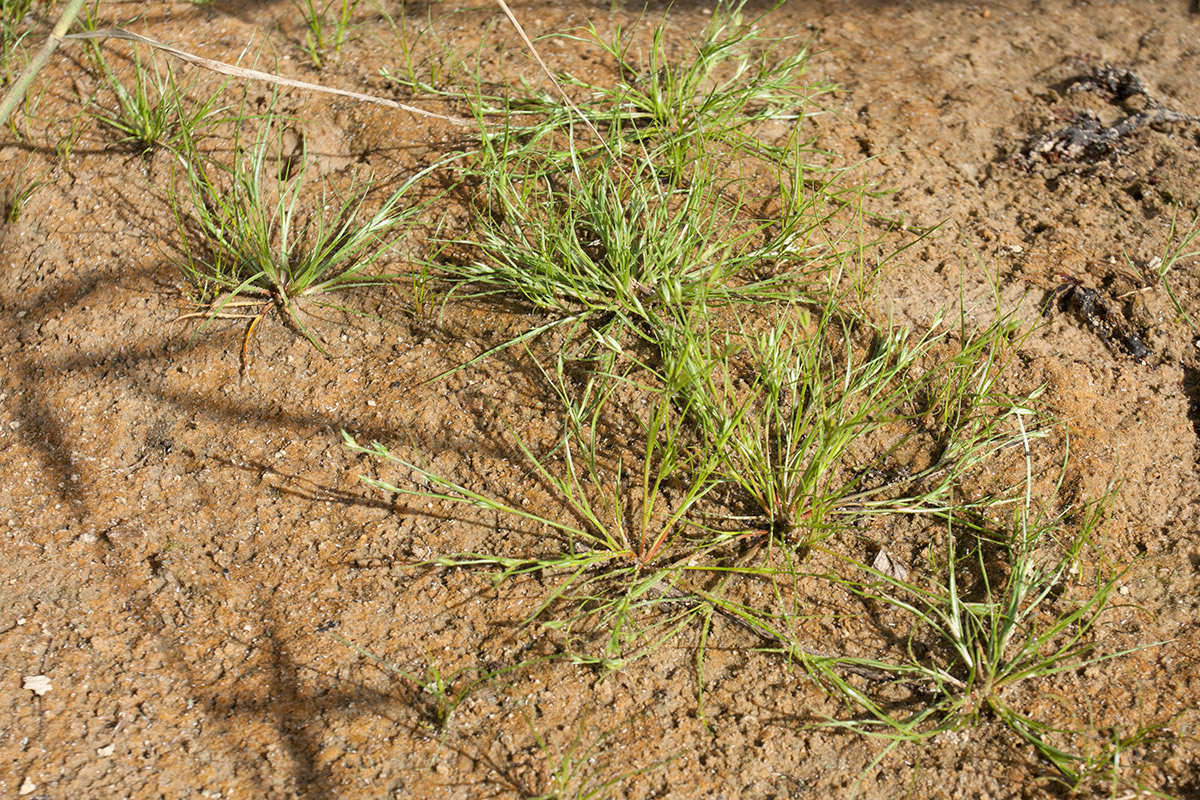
point(1116, 83)
point(1086, 138)
point(1091, 308)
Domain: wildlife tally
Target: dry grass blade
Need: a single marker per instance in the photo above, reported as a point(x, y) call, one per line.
point(538, 58)
point(253, 74)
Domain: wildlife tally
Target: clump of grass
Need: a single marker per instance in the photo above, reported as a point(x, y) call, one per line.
point(258, 237)
point(620, 535)
point(646, 249)
point(822, 386)
point(634, 542)
point(654, 204)
point(995, 609)
point(611, 241)
point(730, 82)
point(152, 110)
point(638, 226)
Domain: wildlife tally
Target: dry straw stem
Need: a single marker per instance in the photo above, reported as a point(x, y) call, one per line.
point(253, 74)
point(537, 57)
point(59, 34)
point(43, 56)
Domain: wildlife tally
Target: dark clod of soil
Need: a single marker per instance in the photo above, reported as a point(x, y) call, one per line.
point(1087, 139)
point(1092, 309)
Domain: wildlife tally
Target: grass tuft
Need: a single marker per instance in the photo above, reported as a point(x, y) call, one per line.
point(152, 111)
point(731, 81)
point(258, 237)
point(822, 387)
point(801, 444)
point(995, 609)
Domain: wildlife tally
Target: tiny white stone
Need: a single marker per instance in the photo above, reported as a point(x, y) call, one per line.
point(38, 684)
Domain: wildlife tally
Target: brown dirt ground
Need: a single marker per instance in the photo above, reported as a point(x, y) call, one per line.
point(179, 540)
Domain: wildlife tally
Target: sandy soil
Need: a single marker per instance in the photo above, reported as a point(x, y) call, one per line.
point(187, 550)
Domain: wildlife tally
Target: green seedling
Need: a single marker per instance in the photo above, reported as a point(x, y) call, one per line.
point(24, 188)
point(326, 34)
point(65, 147)
point(1113, 763)
point(1174, 251)
point(431, 69)
point(583, 770)
point(445, 691)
